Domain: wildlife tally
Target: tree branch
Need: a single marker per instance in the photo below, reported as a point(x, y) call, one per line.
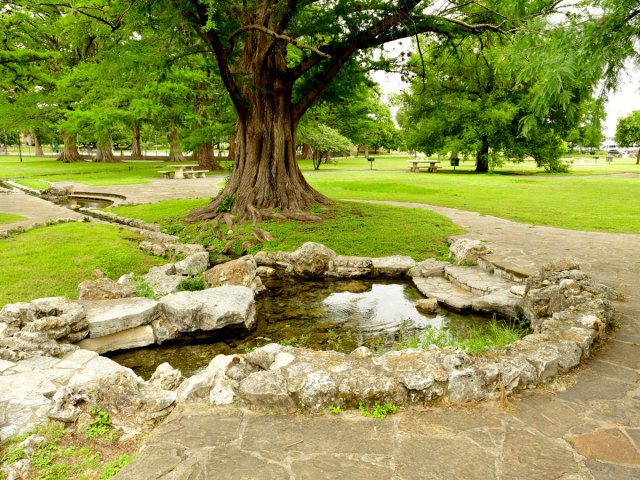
point(276, 36)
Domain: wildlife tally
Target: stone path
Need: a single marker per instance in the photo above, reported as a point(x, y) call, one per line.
point(585, 426)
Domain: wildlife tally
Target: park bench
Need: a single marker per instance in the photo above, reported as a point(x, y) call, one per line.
point(195, 173)
point(167, 173)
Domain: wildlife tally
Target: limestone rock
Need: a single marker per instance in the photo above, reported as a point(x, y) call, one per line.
point(163, 279)
point(111, 316)
point(103, 289)
point(132, 338)
point(193, 264)
point(311, 260)
point(166, 377)
point(209, 309)
point(242, 271)
point(267, 389)
point(393, 266)
point(428, 268)
point(349, 267)
point(466, 250)
point(501, 302)
point(427, 305)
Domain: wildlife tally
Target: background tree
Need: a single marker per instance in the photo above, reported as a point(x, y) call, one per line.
point(628, 132)
point(324, 142)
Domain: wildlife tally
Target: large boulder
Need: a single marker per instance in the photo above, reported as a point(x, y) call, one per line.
point(104, 289)
point(111, 316)
point(210, 309)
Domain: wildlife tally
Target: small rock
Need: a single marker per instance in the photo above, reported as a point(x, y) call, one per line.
point(166, 377)
point(466, 250)
point(427, 305)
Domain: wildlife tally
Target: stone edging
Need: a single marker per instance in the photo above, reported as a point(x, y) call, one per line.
point(568, 312)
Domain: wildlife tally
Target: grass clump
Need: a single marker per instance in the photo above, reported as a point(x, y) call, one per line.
point(10, 218)
point(191, 284)
point(335, 410)
point(349, 229)
point(477, 339)
point(51, 261)
point(58, 453)
point(378, 411)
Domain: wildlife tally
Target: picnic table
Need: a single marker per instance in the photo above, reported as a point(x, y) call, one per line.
point(179, 170)
point(432, 165)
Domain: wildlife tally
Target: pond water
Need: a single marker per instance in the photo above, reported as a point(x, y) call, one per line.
point(320, 315)
point(79, 202)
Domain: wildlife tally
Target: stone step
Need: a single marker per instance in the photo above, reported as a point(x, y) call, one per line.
point(499, 301)
point(475, 279)
point(506, 268)
point(445, 292)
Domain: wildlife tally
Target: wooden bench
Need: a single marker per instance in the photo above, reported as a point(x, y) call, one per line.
point(195, 173)
point(167, 173)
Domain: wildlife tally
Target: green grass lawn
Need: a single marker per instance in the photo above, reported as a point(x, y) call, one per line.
point(10, 218)
point(52, 261)
point(349, 229)
point(35, 172)
point(577, 202)
point(581, 165)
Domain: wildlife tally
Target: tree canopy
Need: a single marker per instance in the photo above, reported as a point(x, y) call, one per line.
point(628, 132)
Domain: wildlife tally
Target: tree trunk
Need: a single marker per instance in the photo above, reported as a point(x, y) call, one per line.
point(366, 151)
point(104, 154)
point(638, 157)
point(206, 158)
point(70, 151)
point(232, 147)
point(36, 140)
point(482, 158)
point(265, 173)
point(306, 151)
point(175, 149)
point(136, 150)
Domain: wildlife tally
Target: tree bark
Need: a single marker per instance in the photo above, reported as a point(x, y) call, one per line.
point(306, 151)
point(175, 149)
point(136, 150)
point(205, 157)
point(232, 147)
point(36, 140)
point(265, 174)
point(70, 151)
point(104, 154)
point(482, 157)
point(638, 157)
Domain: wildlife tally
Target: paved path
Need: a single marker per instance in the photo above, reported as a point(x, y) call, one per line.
point(34, 209)
point(586, 427)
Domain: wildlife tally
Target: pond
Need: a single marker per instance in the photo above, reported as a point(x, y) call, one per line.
point(339, 315)
point(82, 202)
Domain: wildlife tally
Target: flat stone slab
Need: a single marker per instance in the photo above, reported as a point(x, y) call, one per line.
point(132, 338)
point(445, 292)
point(476, 280)
point(111, 316)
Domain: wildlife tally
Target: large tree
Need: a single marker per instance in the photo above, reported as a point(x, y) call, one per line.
point(276, 57)
point(628, 132)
